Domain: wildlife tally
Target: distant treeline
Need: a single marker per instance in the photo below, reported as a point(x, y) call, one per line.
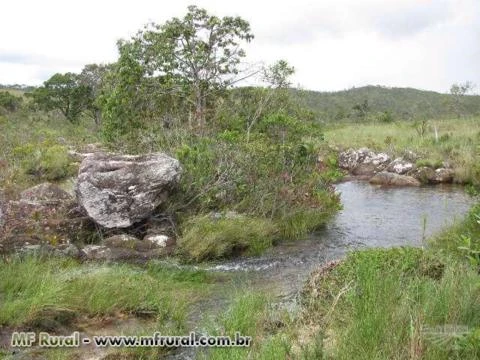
point(19, 87)
point(387, 104)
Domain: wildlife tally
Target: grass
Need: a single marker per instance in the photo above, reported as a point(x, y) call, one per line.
point(457, 142)
point(401, 303)
point(34, 148)
point(31, 285)
point(206, 238)
point(251, 314)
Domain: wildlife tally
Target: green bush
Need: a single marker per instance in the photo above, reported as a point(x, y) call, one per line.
point(10, 102)
point(206, 237)
point(45, 161)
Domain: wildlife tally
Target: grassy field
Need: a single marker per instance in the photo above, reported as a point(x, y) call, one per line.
point(456, 142)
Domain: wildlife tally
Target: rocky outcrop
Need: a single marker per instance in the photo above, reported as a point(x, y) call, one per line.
point(392, 179)
point(365, 164)
point(362, 162)
point(443, 175)
point(352, 159)
point(127, 247)
point(400, 166)
point(44, 215)
point(45, 194)
point(117, 191)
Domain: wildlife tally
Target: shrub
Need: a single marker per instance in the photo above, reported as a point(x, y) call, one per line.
point(10, 102)
point(206, 237)
point(45, 161)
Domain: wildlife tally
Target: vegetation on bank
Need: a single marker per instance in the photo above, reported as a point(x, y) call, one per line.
point(399, 303)
point(454, 142)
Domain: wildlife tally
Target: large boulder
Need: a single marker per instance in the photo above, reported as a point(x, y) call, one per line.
point(393, 179)
point(117, 191)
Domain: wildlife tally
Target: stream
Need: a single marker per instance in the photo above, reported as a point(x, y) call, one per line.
point(372, 216)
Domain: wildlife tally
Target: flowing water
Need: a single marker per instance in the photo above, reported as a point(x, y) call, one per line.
point(372, 216)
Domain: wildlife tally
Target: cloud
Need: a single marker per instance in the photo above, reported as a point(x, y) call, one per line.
point(333, 44)
point(410, 17)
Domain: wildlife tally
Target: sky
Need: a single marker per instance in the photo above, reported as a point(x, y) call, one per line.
point(333, 44)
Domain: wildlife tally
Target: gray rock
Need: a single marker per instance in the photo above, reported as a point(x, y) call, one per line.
point(354, 160)
point(393, 179)
point(443, 175)
point(158, 240)
point(118, 190)
point(367, 169)
point(2, 211)
point(400, 166)
point(45, 194)
point(350, 159)
point(96, 252)
point(424, 174)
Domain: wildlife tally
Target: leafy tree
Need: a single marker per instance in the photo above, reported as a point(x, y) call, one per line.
point(93, 76)
point(278, 75)
point(65, 93)
point(458, 91)
point(199, 53)
point(362, 109)
point(9, 101)
point(121, 98)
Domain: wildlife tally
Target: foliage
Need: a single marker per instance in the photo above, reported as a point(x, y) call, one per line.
point(403, 103)
point(63, 92)
point(9, 101)
point(200, 52)
point(45, 162)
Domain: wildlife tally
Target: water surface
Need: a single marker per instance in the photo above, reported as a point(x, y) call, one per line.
point(372, 216)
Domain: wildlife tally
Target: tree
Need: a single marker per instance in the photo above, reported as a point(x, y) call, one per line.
point(93, 76)
point(277, 76)
point(65, 93)
point(362, 109)
point(458, 91)
point(199, 53)
point(9, 101)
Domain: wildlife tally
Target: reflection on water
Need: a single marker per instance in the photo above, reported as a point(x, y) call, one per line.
point(371, 217)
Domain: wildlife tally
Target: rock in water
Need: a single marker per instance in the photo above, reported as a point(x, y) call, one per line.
point(118, 190)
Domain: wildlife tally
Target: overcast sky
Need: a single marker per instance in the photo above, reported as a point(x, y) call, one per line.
point(333, 44)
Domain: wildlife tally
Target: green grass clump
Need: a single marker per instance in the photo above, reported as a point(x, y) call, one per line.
point(299, 223)
point(206, 238)
point(44, 161)
point(30, 286)
point(395, 304)
point(251, 314)
point(434, 164)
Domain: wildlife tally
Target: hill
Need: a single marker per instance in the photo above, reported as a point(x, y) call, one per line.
point(372, 102)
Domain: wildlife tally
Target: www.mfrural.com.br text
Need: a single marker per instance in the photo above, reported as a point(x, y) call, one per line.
point(46, 340)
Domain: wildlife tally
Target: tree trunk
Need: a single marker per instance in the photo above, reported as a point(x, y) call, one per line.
point(199, 108)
